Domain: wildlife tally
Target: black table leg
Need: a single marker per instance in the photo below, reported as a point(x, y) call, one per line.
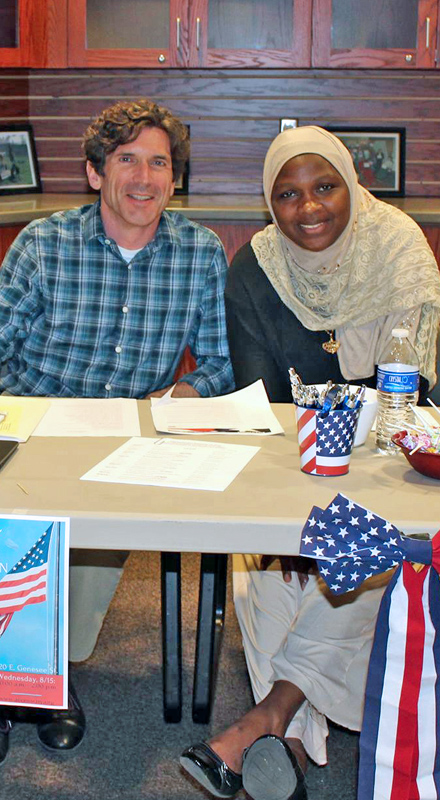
point(210, 623)
point(171, 637)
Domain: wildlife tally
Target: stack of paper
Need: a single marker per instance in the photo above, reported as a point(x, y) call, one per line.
point(19, 416)
point(246, 412)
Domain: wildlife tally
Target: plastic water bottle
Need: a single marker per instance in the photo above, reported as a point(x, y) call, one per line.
point(397, 387)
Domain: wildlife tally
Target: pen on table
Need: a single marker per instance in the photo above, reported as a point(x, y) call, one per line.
point(22, 488)
point(218, 430)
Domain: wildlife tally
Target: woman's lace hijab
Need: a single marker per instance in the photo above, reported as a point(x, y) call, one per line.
point(379, 273)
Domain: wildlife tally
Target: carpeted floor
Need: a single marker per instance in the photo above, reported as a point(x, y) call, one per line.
point(129, 753)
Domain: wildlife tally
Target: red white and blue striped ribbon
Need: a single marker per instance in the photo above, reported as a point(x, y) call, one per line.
point(400, 738)
point(398, 746)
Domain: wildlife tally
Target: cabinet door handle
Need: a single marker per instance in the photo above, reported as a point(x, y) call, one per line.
point(178, 31)
point(427, 27)
point(198, 33)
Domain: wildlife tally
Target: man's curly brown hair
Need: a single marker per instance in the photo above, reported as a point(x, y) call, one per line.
point(123, 122)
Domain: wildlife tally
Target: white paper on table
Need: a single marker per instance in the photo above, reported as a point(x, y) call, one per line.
point(247, 411)
point(77, 416)
point(178, 464)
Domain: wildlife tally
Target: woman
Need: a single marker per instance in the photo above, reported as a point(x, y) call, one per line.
point(319, 290)
point(322, 288)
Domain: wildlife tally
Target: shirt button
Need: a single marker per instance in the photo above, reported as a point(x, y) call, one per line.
point(107, 241)
point(125, 309)
point(128, 266)
point(108, 386)
point(118, 349)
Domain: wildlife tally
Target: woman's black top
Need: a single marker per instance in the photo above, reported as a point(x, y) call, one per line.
point(266, 338)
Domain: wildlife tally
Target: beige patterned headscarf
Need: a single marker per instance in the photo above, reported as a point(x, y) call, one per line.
point(380, 272)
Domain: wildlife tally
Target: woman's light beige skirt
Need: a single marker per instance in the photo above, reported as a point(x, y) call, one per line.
point(311, 638)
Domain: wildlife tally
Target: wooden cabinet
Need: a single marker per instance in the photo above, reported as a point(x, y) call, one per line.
point(249, 33)
point(135, 33)
point(7, 236)
point(253, 33)
point(17, 34)
point(189, 33)
point(33, 33)
point(233, 234)
point(378, 33)
point(432, 233)
point(220, 33)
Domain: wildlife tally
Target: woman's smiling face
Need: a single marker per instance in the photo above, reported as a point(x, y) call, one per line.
point(311, 202)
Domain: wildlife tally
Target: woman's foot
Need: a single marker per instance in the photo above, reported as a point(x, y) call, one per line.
point(217, 764)
point(299, 752)
point(272, 715)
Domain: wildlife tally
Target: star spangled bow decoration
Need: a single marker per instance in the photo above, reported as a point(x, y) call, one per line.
point(400, 738)
point(351, 544)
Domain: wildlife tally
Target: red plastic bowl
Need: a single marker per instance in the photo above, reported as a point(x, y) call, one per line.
point(426, 463)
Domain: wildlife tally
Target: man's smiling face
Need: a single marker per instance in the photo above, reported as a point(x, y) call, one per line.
point(135, 188)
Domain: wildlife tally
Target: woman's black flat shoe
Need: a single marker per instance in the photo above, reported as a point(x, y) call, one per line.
point(271, 771)
point(210, 771)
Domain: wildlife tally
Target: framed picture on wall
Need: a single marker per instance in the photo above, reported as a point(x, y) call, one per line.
point(287, 123)
point(18, 160)
point(378, 156)
point(182, 184)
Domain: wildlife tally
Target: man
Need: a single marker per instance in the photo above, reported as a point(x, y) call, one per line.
point(101, 301)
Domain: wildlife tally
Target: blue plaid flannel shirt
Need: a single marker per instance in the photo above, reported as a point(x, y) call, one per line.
point(77, 321)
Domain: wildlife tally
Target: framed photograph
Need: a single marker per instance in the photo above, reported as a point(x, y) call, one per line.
point(285, 124)
point(378, 156)
point(182, 184)
point(18, 160)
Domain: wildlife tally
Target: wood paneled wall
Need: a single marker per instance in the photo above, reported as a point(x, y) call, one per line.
point(233, 116)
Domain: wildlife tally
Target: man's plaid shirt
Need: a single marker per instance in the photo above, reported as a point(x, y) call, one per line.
point(77, 321)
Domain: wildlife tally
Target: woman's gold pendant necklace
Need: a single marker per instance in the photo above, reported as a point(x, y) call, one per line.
point(332, 346)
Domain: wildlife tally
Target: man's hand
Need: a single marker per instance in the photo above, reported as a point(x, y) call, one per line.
point(180, 390)
point(184, 390)
point(300, 564)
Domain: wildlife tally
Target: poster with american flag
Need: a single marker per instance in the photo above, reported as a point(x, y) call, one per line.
point(325, 442)
point(33, 611)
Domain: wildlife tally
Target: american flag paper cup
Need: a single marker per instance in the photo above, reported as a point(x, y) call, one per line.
point(325, 442)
